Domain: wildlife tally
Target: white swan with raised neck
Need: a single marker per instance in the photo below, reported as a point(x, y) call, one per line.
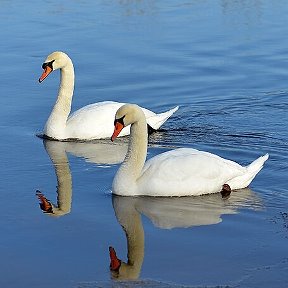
point(179, 172)
point(94, 121)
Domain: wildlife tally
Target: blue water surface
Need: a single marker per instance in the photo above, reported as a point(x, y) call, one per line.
point(224, 63)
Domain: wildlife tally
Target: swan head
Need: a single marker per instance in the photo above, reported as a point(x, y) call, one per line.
point(54, 61)
point(126, 115)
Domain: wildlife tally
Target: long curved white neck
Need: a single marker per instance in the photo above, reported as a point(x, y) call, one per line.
point(56, 123)
point(131, 168)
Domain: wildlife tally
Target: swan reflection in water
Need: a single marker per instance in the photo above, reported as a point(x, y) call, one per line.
point(164, 212)
point(100, 152)
point(169, 213)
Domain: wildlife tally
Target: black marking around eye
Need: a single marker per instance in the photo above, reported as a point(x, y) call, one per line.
point(120, 120)
point(49, 64)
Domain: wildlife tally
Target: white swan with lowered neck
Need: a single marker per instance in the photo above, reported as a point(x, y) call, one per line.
point(180, 172)
point(94, 121)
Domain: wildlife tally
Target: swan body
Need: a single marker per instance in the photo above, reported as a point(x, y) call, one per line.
point(94, 121)
point(180, 172)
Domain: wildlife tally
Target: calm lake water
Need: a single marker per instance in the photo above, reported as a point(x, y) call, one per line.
point(225, 63)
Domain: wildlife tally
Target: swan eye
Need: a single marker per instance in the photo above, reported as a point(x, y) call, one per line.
point(49, 64)
point(120, 120)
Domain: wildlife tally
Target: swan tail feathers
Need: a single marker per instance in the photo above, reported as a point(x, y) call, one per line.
point(156, 121)
point(251, 171)
point(257, 164)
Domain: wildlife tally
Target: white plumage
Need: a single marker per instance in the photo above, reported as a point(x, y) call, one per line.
point(180, 172)
point(94, 121)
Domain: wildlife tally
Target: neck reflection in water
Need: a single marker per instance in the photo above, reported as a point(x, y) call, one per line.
point(164, 212)
point(169, 213)
point(101, 152)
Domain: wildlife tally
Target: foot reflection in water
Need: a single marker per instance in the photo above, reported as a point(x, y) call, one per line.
point(168, 213)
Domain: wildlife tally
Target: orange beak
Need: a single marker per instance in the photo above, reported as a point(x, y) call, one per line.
point(117, 129)
point(46, 72)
